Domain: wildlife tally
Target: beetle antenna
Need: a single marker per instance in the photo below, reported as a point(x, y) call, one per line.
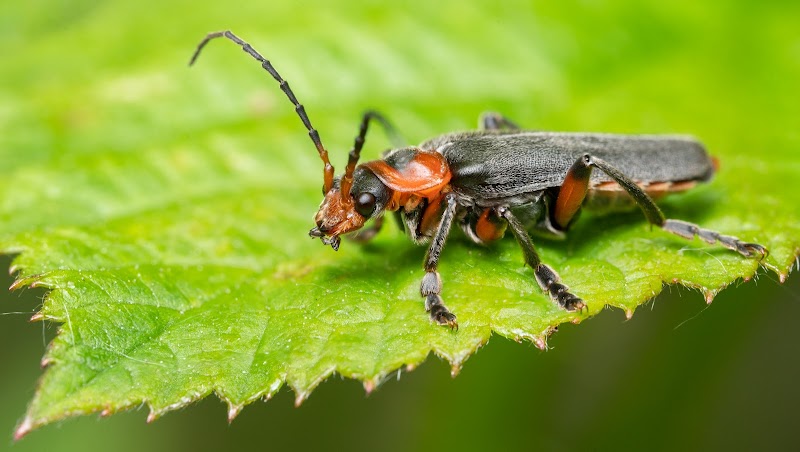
point(355, 153)
point(298, 107)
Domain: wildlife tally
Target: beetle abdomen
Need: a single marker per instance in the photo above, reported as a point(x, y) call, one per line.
point(610, 197)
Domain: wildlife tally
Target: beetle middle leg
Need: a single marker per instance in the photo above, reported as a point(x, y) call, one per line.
point(547, 278)
point(576, 184)
point(431, 285)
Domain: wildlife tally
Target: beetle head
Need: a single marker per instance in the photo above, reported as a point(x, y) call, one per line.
point(348, 205)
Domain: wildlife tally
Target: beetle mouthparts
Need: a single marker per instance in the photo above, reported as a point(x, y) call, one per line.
point(333, 241)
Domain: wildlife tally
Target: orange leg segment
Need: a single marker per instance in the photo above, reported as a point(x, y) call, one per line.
point(431, 216)
point(490, 226)
point(572, 193)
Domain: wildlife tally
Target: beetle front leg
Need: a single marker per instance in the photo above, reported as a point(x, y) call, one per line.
point(431, 285)
point(547, 278)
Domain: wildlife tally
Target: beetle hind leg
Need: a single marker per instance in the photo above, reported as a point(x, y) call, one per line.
point(682, 228)
point(575, 186)
point(495, 121)
point(547, 278)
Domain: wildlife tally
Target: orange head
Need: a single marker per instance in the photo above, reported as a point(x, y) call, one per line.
point(341, 213)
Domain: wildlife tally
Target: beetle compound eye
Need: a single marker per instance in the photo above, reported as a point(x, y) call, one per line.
point(365, 204)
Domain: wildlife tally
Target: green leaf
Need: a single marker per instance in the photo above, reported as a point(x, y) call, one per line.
point(167, 209)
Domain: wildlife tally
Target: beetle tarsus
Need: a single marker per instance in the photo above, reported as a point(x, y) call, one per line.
point(569, 301)
point(445, 317)
point(689, 231)
point(439, 312)
point(550, 282)
point(430, 288)
point(431, 284)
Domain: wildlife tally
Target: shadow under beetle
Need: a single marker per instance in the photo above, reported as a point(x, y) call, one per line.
point(498, 178)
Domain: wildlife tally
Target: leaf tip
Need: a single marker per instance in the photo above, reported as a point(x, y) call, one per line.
point(12, 269)
point(782, 277)
point(23, 429)
point(152, 416)
point(540, 342)
point(455, 369)
point(45, 362)
point(300, 398)
point(233, 411)
point(106, 412)
point(274, 387)
point(628, 314)
point(36, 317)
point(709, 294)
point(369, 386)
point(17, 284)
point(410, 367)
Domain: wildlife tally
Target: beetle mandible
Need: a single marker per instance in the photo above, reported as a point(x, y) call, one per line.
point(498, 178)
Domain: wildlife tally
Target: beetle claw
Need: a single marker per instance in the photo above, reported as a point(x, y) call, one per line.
point(445, 318)
point(575, 304)
point(439, 312)
point(752, 250)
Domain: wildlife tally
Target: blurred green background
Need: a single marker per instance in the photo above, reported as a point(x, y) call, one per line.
point(679, 375)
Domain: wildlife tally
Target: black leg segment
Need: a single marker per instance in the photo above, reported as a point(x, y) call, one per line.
point(646, 203)
point(495, 121)
point(431, 285)
point(547, 278)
